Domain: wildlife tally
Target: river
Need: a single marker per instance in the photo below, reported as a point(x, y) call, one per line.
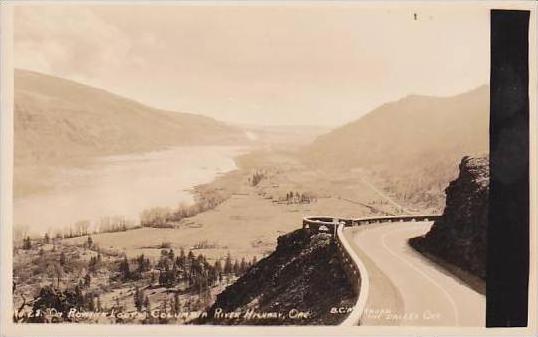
point(122, 185)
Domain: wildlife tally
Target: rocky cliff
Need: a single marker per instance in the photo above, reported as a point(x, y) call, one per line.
point(299, 283)
point(460, 235)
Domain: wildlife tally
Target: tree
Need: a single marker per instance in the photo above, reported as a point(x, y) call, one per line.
point(243, 266)
point(177, 303)
point(81, 228)
point(236, 268)
point(124, 268)
point(46, 238)
point(27, 243)
point(155, 217)
point(98, 303)
point(228, 264)
point(143, 263)
point(58, 272)
point(138, 298)
point(62, 259)
point(146, 303)
point(87, 280)
point(92, 264)
point(90, 301)
point(218, 267)
point(171, 255)
point(167, 277)
point(191, 255)
point(89, 242)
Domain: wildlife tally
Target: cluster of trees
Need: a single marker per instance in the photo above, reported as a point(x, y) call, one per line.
point(62, 296)
point(111, 224)
point(140, 299)
point(108, 224)
point(69, 286)
point(127, 272)
point(163, 217)
point(26, 243)
point(156, 217)
point(194, 271)
point(89, 242)
point(79, 228)
point(299, 198)
point(256, 178)
point(204, 245)
point(204, 203)
point(75, 283)
point(63, 301)
point(94, 263)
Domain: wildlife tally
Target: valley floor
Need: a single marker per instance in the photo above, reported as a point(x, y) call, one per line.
point(267, 196)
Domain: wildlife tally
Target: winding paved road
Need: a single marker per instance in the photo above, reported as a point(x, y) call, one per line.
point(405, 287)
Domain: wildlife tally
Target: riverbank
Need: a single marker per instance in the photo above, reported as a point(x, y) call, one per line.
point(119, 188)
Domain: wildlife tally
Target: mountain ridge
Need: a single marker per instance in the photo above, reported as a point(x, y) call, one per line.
point(80, 120)
point(417, 140)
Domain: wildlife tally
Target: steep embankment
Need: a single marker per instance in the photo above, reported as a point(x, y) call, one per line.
point(303, 274)
point(460, 235)
point(414, 143)
point(58, 121)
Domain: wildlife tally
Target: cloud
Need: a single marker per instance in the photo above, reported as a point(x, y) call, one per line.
point(67, 41)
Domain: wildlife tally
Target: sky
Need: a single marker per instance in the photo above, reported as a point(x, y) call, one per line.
point(279, 64)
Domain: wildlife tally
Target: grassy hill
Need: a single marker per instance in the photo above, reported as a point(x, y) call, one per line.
point(415, 143)
point(57, 119)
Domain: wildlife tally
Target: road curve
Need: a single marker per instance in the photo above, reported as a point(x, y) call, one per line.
point(405, 287)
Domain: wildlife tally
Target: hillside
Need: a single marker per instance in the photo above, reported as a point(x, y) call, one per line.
point(57, 118)
point(414, 144)
point(58, 121)
point(303, 274)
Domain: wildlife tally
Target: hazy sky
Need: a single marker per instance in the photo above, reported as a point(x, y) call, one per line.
point(265, 64)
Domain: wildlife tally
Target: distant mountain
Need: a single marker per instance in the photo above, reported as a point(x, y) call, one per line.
point(58, 120)
point(415, 143)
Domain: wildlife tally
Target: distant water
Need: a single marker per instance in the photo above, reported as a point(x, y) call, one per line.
point(123, 185)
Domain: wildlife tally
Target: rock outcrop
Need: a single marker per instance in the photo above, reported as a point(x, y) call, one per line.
point(297, 284)
point(460, 235)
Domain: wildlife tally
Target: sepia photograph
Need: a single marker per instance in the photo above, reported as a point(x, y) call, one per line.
point(300, 164)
